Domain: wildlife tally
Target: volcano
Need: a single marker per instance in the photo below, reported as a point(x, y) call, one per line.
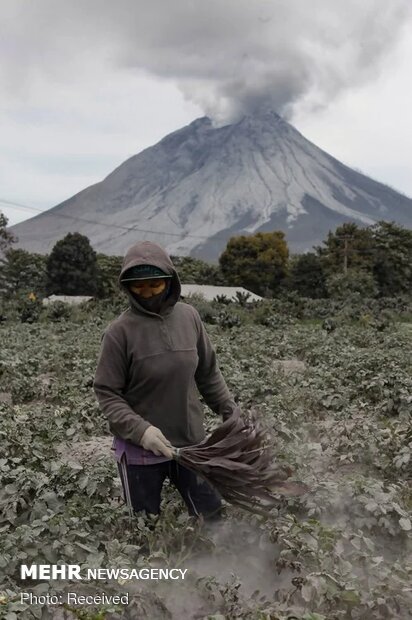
point(203, 184)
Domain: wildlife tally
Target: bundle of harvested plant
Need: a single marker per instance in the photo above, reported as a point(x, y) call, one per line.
point(237, 459)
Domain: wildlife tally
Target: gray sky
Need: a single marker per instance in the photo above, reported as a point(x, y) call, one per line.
point(85, 85)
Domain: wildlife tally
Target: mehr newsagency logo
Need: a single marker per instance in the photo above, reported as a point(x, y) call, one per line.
point(47, 572)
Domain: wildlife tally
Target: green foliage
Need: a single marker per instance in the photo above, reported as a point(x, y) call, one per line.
point(29, 308)
point(25, 272)
point(206, 310)
point(196, 271)
point(6, 240)
point(392, 266)
point(275, 313)
point(72, 267)
point(351, 241)
point(108, 268)
point(227, 319)
point(341, 285)
point(383, 250)
point(257, 262)
point(342, 422)
point(227, 314)
point(306, 276)
point(222, 299)
point(6, 237)
point(58, 310)
point(242, 298)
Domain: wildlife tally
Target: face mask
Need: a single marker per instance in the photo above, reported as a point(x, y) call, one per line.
point(153, 303)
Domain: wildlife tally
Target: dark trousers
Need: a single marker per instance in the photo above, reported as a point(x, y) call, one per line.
point(145, 484)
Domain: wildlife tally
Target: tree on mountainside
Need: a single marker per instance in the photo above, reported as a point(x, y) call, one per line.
point(72, 267)
point(306, 276)
point(383, 250)
point(258, 262)
point(25, 271)
point(348, 247)
point(392, 267)
point(196, 271)
point(6, 237)
point(6, 240)
point(108, 269)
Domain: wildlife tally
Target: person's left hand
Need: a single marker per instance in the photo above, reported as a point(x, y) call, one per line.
point(154, 440)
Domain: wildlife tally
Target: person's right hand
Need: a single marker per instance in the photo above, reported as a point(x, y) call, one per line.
point(154, 440)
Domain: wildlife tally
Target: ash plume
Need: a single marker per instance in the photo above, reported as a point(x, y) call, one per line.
point(231, 58)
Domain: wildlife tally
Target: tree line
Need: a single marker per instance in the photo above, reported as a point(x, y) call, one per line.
point(372, 261)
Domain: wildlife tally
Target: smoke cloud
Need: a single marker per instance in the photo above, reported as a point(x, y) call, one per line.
point(231, 57)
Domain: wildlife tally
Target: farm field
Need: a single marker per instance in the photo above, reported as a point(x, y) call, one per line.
point(338, 403)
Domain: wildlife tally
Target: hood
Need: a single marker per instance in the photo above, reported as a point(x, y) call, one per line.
point(149, 253)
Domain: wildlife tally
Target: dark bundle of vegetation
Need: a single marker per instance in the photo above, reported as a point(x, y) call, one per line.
point(237, 460)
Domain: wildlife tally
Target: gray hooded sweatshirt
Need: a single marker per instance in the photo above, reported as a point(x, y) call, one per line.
point(152, 366)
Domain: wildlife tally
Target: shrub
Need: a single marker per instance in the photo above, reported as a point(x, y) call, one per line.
point(228, 319)
point(342, 285)
point(242, 298)
point(222, 299)
point(205, 309)
point(58, 310)
point(29, 308)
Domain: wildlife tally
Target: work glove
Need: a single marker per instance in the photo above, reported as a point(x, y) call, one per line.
point(154, 440)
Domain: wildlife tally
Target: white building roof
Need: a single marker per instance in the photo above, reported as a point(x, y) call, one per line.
point(210, 292)
point(73, 300)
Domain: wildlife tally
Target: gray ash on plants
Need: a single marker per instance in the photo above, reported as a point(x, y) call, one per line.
point(342, 422)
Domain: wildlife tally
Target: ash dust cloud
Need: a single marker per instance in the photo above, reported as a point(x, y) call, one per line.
point(244, 554)
point(231, 58)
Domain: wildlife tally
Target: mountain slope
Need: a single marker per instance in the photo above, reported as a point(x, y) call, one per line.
point(200, 185)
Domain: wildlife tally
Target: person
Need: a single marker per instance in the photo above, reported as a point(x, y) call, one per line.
point(155, 360)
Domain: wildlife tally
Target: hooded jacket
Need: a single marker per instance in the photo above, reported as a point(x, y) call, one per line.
point(153, 366)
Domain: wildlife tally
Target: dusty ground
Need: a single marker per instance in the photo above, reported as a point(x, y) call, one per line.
point(87, 451)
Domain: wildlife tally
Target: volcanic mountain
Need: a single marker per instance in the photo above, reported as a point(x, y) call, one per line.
point(202, 184)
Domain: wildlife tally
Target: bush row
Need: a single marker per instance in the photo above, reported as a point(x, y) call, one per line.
point(269, 312)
